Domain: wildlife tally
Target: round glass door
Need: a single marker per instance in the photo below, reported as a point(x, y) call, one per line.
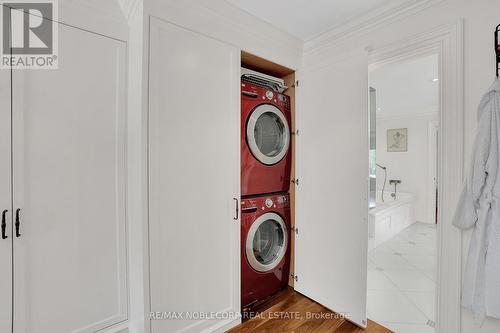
point(266, 242)
point(268, 135)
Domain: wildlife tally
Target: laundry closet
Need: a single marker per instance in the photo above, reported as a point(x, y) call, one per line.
point(193, 97)
point(267, 182)
point(122, 208)
point(121, 192)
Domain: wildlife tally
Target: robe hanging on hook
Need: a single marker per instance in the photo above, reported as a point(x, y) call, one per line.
point(497, 49)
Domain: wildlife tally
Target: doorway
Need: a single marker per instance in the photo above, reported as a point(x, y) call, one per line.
point(404, 126)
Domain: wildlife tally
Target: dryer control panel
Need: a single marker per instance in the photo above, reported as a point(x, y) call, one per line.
point(252, 91)
point(265, 203)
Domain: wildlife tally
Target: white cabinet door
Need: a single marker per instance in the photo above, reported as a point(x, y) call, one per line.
point(332, 207)
point(194, 176)
point(69, 187)
point(5, 204)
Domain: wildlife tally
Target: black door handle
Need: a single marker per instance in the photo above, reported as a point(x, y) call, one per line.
point(237, 203)
point(4, 224)
point(18, 224)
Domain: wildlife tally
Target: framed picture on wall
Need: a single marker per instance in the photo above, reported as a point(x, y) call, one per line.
point(397, 140)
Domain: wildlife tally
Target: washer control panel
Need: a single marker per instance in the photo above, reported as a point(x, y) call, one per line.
point(265, 203)
point(253, 92)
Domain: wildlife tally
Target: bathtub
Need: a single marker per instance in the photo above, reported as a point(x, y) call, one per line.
point(391, 217)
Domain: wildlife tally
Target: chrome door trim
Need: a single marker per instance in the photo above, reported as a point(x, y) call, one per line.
point(252, 120)
point(252, 260)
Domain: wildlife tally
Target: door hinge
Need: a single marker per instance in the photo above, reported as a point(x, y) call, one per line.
point(295, 229)
point(296, 132)
point(295, 181)
point(295, 277)
point(296, 84)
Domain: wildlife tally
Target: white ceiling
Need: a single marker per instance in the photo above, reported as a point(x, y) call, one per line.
point(407, 87)
point(306, 19)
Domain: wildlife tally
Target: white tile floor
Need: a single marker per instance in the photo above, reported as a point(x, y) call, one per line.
point(401, 281)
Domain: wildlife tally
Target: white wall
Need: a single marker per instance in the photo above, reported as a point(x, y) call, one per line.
point(411, 166)
point(480, 19)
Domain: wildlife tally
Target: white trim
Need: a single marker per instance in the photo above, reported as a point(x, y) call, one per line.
point(226, 325)
point(137, 206)
point(447, 41)
point(431, 179)
point(118, 328)
point(374, 19)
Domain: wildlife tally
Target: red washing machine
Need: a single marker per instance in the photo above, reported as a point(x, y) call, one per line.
point(265, 247)
point(266, 156)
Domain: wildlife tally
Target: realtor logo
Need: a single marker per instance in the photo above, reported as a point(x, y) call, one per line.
point(29, 34)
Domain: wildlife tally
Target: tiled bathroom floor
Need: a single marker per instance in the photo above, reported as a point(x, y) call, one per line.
point(402, 281)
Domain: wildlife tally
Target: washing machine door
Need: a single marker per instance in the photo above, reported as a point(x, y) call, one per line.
point(266, 242)
point(268, 134)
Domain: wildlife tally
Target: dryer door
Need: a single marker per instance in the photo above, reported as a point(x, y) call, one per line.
point(266, 242)
point(268, 134)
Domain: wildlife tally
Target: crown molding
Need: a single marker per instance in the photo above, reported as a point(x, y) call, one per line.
point(374, 19)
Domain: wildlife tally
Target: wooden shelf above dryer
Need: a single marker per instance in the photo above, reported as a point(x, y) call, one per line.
point(262, 65)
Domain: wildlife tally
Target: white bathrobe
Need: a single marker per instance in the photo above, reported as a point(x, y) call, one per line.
point(479, 207)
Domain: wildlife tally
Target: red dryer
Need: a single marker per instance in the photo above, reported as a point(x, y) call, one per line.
point(265, 247)
point(265, 141)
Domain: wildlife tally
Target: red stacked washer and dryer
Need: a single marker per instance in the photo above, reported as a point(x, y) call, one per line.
point(265, 181)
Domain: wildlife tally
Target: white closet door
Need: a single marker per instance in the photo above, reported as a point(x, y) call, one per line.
point(69, 185)
point(331, 200)
point(194, 176)
point(5, 204)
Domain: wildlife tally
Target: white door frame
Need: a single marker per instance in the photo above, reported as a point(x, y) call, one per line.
point(447, 42)
point(432, 177)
